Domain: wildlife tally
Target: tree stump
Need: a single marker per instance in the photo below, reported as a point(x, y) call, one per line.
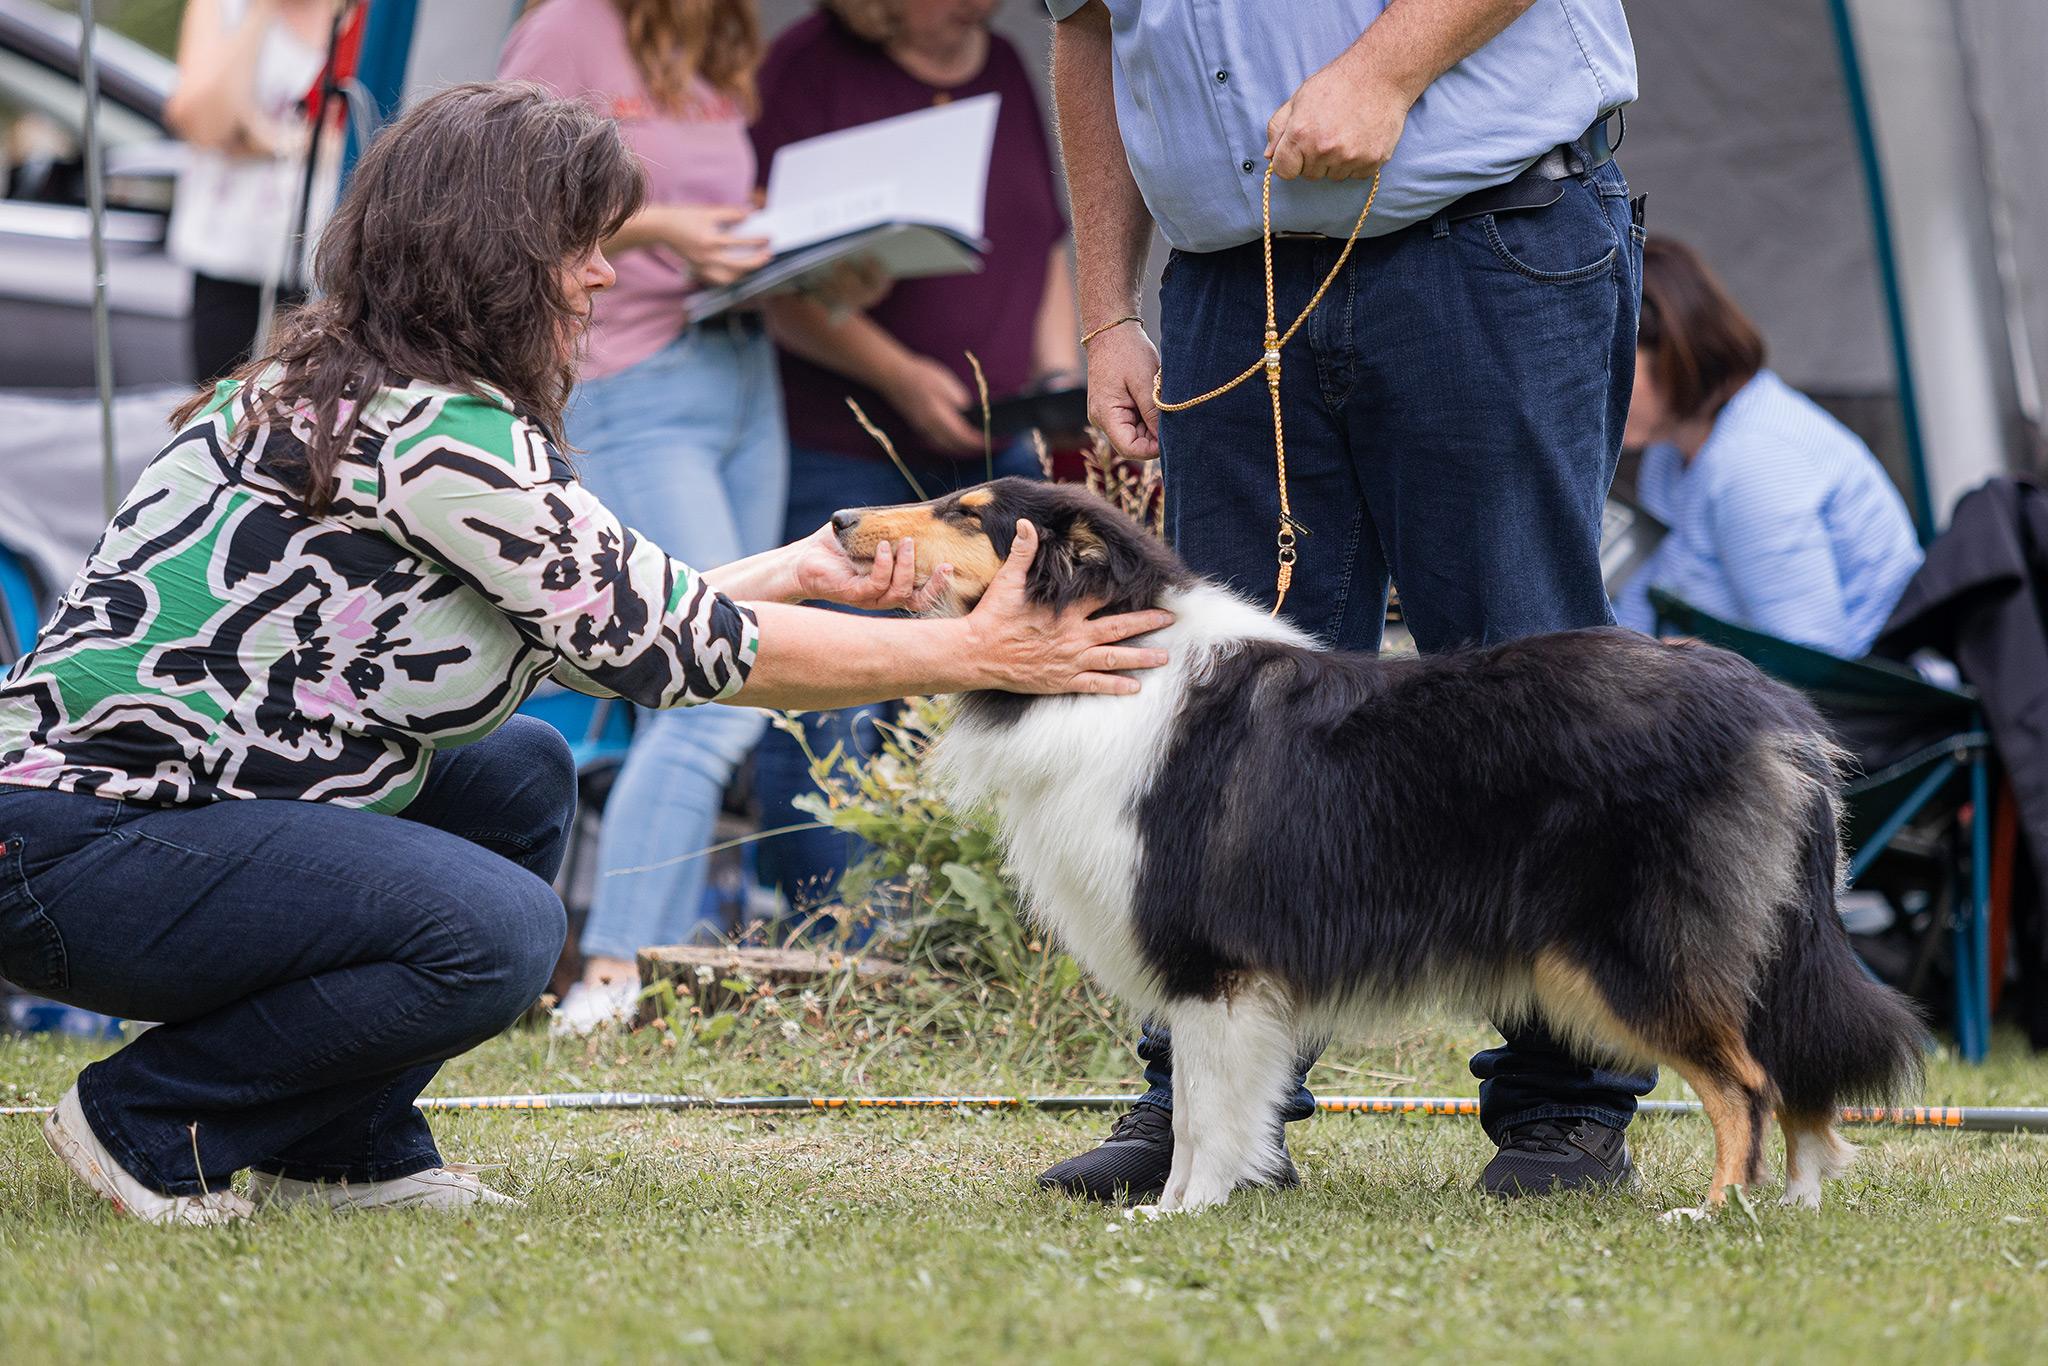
point(689, 967)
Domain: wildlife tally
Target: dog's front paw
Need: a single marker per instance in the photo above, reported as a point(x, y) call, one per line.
point(1689, 1214)
point(1802, 1197)
point(1201, 1195)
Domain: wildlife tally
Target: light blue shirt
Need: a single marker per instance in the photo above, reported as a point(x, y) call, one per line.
point(1197, 81)
point(1784, 522)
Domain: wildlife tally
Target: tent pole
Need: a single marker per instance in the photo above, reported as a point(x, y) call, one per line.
point(1887, 265)
point(294, 265)
point(96, 209)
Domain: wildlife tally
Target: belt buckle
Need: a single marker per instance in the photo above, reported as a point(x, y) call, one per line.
point(1599, 146)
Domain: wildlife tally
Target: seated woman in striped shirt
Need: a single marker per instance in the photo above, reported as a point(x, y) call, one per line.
point(1781, 518)
point(261, 779)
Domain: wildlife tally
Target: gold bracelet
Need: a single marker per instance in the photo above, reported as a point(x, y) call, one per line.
point(1095, 332)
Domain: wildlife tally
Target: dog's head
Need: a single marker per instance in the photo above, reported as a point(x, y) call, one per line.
point(1086, 548)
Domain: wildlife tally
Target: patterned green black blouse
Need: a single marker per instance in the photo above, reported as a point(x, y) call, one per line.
point(220, 643)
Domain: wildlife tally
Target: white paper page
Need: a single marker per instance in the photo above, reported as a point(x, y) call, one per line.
point(930, 166)
point(803, 221)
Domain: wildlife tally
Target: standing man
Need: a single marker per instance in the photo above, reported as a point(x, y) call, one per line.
point(1453, 407)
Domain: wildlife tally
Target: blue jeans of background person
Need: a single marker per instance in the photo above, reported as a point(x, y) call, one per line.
point(806, 864)
point(313, 965)
point(687, 447)
point(1454, 412)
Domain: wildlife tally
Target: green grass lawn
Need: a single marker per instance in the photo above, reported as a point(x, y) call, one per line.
point(919, 1237)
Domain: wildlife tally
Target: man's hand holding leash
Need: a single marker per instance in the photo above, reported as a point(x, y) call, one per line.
point(1121, 364)
point(1342, 123)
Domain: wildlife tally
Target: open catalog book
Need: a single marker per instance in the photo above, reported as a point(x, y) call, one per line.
point(905, 194)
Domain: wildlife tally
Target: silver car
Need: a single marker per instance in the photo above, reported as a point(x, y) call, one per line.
point(45, 257)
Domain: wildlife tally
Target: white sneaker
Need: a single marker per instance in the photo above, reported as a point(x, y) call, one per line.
point(76, 1146)
point(434, 1188)
point(590, 1007)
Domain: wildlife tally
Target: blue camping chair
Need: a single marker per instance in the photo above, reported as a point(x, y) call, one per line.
point(21, 617)
point(1917, 786)
point(20, 614)
point(598, 730)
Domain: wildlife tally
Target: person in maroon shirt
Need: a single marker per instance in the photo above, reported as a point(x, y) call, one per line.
point(903, 359)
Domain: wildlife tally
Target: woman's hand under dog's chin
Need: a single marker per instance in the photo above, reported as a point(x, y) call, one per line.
point(1027, 647)
point(822, 571)
point(818, 569)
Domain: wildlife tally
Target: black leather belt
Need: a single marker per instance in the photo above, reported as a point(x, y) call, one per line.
point(741, 324)
point(1543, 183)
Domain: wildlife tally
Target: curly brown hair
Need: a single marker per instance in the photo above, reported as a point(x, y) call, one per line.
point(444, 262)
point(675, 41)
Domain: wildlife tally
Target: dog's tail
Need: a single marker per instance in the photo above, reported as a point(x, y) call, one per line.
point(1824, 1030)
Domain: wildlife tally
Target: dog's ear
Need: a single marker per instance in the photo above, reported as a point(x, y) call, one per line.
point(1087, 542)
point(1056, 572)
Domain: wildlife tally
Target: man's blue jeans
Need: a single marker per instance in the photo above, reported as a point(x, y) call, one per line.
point(314, 965)
point(1454, 411)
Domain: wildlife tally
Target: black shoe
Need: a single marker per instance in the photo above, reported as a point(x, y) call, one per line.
point(1132, 1164)
point(1547, 1155)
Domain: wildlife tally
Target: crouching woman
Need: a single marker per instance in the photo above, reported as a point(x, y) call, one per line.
point(261, 778)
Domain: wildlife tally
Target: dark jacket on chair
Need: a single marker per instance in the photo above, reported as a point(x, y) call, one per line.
point(1981, 598)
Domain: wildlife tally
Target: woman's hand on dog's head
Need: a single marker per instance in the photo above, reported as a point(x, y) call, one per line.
point(1029, 648)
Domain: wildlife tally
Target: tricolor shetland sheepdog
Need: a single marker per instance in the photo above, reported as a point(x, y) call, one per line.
point(1273, 842)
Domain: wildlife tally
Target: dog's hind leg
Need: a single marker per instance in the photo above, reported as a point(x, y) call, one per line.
point(1233, 1065)
point(1814, 1153)
point(1737, 1098)
point(1707, 1049)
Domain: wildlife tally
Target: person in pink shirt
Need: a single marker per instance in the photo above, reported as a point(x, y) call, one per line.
point(903, 357)
point(680, 426)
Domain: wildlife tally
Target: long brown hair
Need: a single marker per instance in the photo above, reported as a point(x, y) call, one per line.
point(1702, 346)
point(444, 263)
point(675, 41)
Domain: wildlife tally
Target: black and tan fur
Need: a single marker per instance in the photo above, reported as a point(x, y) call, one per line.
point(1273, 841)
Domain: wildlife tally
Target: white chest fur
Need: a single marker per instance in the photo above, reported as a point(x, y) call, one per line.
point(1064, 780)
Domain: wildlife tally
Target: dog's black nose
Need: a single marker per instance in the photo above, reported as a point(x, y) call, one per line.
point(845, 518)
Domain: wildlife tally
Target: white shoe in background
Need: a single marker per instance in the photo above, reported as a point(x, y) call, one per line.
point(76, 1146)
point(590, 1007)
point(434, 1188)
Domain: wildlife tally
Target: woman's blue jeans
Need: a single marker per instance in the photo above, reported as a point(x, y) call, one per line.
point(806, 865)
point(1454, 412)
point(313, 965)
point(687, 447)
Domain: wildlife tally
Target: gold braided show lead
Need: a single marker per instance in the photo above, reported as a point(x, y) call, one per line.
point(1270, 363)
